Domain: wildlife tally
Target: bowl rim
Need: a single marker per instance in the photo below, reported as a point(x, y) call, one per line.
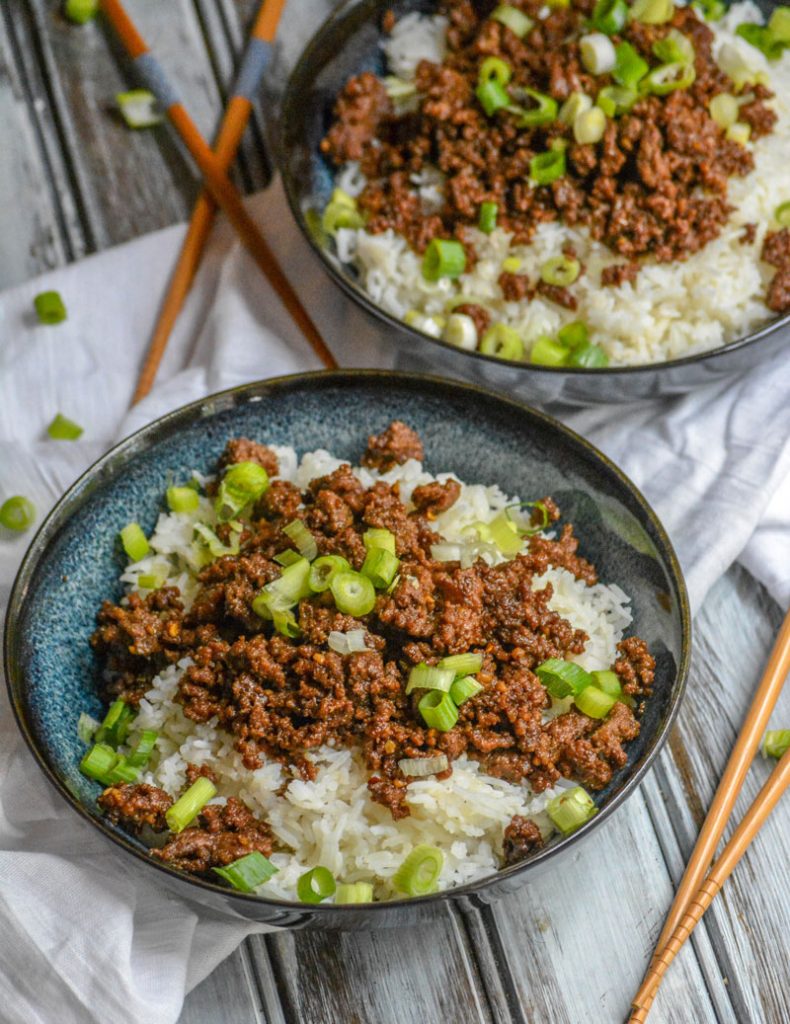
point(112, 461)
point(355, 291)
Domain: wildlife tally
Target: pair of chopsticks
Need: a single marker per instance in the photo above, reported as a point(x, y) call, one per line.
point(697, 890)
point(219, 190)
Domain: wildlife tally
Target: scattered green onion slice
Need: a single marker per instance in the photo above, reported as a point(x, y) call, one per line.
point(444, 257)
point(287, 557)
point(512, 264)
point(87, 727)
point(608, 682)
point(182, 499)
point(353, 892)
point(494, 69)
point(630, 68)
point(248, 872)
point(430, 677)
point(341, 212)
point(547, 167)
point(735, 65)
point(594, 702)
point(724, 109)
point(419, 874)
point(563, 678)
point(547, 352)
point(779, 24)
point(761, 37)
point(64, 429)
point(241, 486)
point(739, 133)
point(438, 710)
point(575, 105)
point(574, 334)
point(141, 754)
point(597, 53)
point(503, 342)
point(380, 567)
point(674, 48)
point(570, 809)
point(422, 767)
point(134, 542)
point(17, 513)
point(284, 592)
point(590, 126)
point(115, 726)
point(488, 215)
point(560, 270)
point(616, 99)
point(399, 88)
point(377, 538)
point(711, 10)
point(652, 12)
point(285, 623)
point(316, 885)
point(150, 581)
point(463, 664)
point(590, 356)
point(492, 96)
point(464, 688)
point(121, 771)
point(188, 806)
point(352, 642)
point(544, 111)
point(782, 214)
point(461, 331)
point(98, 762)
point(215, 546)
point(49, 308)
point(354, 594)
point(81, 11)
point(302, 538)
point(139, 108)
point(502, 531)
point(323, 569)
point(609, 16)
point(518, 22)
point(667, 78)
point(776, 743)
point(544, 515)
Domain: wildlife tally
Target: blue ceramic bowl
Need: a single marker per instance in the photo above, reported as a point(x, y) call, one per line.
point(73, 565)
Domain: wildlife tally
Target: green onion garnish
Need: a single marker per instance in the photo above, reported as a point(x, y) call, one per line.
point(287, 557)
point(139, 108)
point(518, 22)
point(380, 567)
point(544, 112)
point(323, 569)
point(547, 352)
point(666, 79)
point(563, 678)
point(590, 126)
point(502, 531)
point(779, 24)
point(560, 270)
point(373, 539)
point(134, 542)
point(444, 257)
point(597, 53)
point(17, 513)
point(571, 809)
point(141, 754)
point(609, 16)
point(739, 133)
point(354, 892)
point(574, 334)
point(87, 727)
point(547, 167)
point(81, 11)
point(464, 688)
point(438, 710)
point(182, 499)
point(354, 594)
point(284, 592)
point(488, 215)
point(49, 308)
point(608, 682)
point(630, 68)
point(724, 109)
point(99, 762)
point(494, 69)
point(188, 806)
point(594, 702)
point(782, 214)
point(341, 212)
point(316, 885)
point(248, 872)
point(711, 10)
point(241, 486)
point(652, 12)
point(302, 538)
point(776, 743)
point(63, 429)
point(590, 356)
point(419, 874)
point(463, 664)
point(616, 99)
point(763, 39)
point(575, 104)
point(285, 623)
point(115, 727)
point(150, 581)
point(215, 546)
point(492, 97)
point(430, 677)
point(121, 771)
point(503, 342)
point(672, 48)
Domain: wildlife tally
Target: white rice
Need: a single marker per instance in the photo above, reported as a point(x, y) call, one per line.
point(332, 821)
point(671, 310)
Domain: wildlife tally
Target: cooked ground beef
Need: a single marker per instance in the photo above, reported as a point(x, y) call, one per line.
point(396, 445)
point(776, 251)
point(480, 316)
point(749, 234)
point(136, 804)
point(619, 273)
point(432, 499)
point(522, 837)
point(222, 835)
point(240, 449)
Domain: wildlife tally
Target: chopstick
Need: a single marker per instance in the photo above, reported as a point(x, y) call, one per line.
point(234, 122)
point(723, 802)
point(776, 784)
point(219, 185)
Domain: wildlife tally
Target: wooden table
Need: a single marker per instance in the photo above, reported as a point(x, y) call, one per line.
point(74, 180)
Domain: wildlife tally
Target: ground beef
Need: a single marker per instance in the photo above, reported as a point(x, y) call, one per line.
point(776, 251)
point(480, 316)
point(396, 445)
point(200, 771)
point(635, 666)
point(134, 805)
point(561, 296)
point(619, 273)
point(748, 235)
point(778, 295)
point(222, 835)
point(515, 287)
point(432, 499)
point(522, 837)
point(241, 449)
point(359, 110)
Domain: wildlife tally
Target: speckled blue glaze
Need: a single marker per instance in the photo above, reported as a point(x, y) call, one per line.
point(74, 561)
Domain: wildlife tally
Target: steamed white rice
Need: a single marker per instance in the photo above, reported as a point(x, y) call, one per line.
point(332, 821)
point(671, 310)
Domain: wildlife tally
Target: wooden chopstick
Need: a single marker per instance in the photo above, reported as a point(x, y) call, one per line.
point(231, 132)
point(776, 784)
point(723, 802)
point(217, 182)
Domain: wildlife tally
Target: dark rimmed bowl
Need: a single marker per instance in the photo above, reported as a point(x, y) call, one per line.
point(73, 564)
point(347, 43)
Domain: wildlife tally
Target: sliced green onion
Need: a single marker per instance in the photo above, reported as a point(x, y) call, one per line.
point(444, 257)
point(287, 557)
point(652, 12)
point(724, 109)
point(17, 513)
point(323, 569)
point(81, 11)
point(594, 702)
point(139, 108)
point(673, 48)
point(616, 99)
point(739, 133)
point(422, 767)
point(63, 429)
point(49, 308)
point(464, 688)
point(121, 771)
point(430, 677)
point(430, 325)
point(761, 37)
point(99, 762)
point(779, 24)
point(284, 592)
point(575, 104)
point(512, 264)
point(463, 664)
point(532, 530)
point(115, 727)
point(419, 874)
point(735, 65)
point(488, 215)
point(609, 16)
point(182, 499)
point(188, 806)
point(241, 486)
point(341, 212)
point(150, 581)
point(563, 678)
point(597, 53)
point(666, 79)
point(134, 542)
point(398, 88)
point(630, 68)
point(248, 872)
point(571, 809)
point(380, 567)
point(502, 531)
point(514, 19)
point(503, 342)
point(492, 97)
point(711, 10)
point(608, 682)
point(590, 126)
point(354, 892)
point(141, 754)
point(544, 111)
point(574, 334)
point(776, 743)
point(560, 270)
point(461, 331)
point(373, 539)
point(354, 594)
point(215, 546)
point(590, 356)
point(87, 726)
point(302, 538)
point(285, 623)
point(352, 642)
point(438, 710)
point(547, 167)
point(782, 214)
point(547, 352)
point(494, 69)
point(316, 885)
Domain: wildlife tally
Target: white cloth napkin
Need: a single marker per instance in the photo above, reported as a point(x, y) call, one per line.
point(82, 939)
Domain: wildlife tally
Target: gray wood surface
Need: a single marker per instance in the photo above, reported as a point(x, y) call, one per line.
point(72, 181)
